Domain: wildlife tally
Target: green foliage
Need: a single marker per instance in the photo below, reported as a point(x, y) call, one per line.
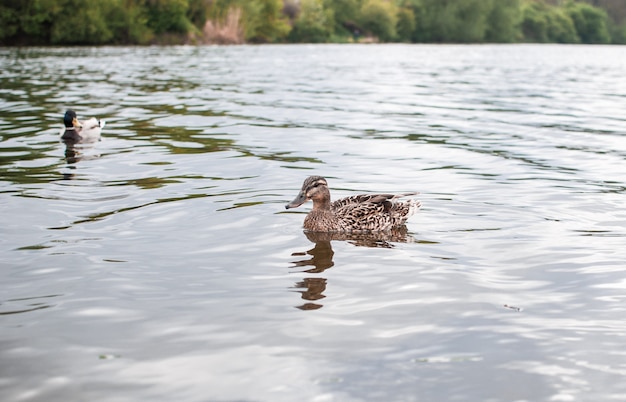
point(379, 17)
point(129, 24)
point(76, 22)
point(545, 23)
point(406, 24)
point(591, 22)
point(218, 9)
point(265, 21)
point(261, 20)
point(197, 12)
point(44, 22)
point(36, 18)
point(314, 24)
point(535, 22)
point(560, 27)
point(168, 16)
point(85, 25)
point(469, 20)
point(503, 22)
point(9, 22)
point(345, 14)
point(618, 33)
point(453, 20)
point(576, 22)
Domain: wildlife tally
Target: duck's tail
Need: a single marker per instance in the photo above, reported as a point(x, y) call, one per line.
point(410, 206)
point(414, 206)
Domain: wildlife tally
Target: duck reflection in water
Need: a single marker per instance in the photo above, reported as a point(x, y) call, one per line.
point(75, 154)
point(320, 258)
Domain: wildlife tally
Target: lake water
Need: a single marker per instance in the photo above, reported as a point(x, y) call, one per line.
point(160, 263)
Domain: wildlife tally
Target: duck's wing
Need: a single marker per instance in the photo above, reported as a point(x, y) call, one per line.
point(373, 212)
point(377, 199)
point(90, 130)
point(92, 124)
point(364, 216)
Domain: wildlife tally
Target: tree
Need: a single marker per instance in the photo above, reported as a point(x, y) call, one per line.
point(618, 33)
point(168, 16)
point(197, 11)
point(345, 15)
point(129, 23)
point(545, 23)
point(9, 19)
point(263, 20)
point(379, 17)
point(36, 18)
point(406, 24)
point(503, 22)
point(591, 23)
point(560, 27)
point(453, 20)
point(83, 22)
point(314, 24)
point(535, 21)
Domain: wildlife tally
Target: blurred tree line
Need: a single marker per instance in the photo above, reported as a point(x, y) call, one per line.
point(94, 22)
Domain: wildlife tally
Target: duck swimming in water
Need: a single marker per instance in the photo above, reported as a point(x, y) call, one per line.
point(80, 131)
point(355, 214)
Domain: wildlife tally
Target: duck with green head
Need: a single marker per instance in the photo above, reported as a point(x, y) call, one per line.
point(76, 131)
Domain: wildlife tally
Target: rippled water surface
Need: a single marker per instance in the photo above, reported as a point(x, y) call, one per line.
point(160, 263)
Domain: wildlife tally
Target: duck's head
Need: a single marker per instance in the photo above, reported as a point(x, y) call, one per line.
point(314, 188)
point(70, 120)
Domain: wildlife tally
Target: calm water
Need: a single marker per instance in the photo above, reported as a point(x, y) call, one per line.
point(160, 264)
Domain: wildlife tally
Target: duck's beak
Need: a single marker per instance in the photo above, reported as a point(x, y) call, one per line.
point(299, 200)
point(75, 123)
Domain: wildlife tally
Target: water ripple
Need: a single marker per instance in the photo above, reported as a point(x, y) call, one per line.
point(165, 248)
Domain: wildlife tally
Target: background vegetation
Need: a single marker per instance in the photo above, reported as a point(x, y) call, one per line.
point(94, 22)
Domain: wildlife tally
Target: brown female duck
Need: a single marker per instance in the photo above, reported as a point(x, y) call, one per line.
point(355, 214)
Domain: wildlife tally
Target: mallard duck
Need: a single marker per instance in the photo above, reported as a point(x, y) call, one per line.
point(80, 131)
point(354, 214)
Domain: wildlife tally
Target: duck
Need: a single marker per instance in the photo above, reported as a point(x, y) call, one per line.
point(76, 131)
point(363, 213)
